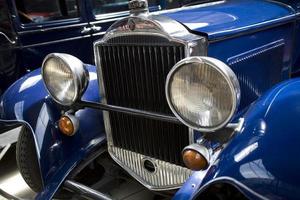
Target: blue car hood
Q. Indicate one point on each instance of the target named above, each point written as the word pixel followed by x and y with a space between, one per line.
pixel 224 18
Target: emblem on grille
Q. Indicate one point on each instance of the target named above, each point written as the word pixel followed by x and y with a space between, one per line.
pixel 131 24
pixel 149 165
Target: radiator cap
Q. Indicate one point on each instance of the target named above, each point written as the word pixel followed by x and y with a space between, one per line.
pixel 138 6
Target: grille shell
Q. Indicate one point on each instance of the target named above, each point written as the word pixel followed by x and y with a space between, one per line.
pixel 134 74
pixel 138 81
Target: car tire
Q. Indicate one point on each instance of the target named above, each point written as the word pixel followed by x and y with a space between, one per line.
pixel 28 165
pixel 27 160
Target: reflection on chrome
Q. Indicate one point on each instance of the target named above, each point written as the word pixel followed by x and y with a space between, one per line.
pixel 93 76
pixel 255 169
pixel 245 152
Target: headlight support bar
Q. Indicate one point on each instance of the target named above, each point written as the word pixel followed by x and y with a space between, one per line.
pixel 141 113
pixel 131 111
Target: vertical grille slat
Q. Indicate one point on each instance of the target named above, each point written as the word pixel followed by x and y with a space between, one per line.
pixel 134 76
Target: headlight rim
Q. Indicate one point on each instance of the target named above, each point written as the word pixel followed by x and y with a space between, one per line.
pixel 80 77
pixel 225 71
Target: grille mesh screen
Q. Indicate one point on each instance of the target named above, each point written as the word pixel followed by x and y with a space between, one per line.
pixel 134 76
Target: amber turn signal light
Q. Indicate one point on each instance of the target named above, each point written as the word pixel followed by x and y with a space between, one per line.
pixel 195 157
pixel 68 124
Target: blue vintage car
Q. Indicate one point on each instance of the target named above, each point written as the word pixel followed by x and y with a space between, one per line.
pixel 196 101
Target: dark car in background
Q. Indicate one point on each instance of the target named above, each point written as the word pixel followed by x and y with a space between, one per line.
pixel 31 29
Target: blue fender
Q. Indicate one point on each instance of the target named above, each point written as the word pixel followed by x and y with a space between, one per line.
pixel 28 102
pixel 262 159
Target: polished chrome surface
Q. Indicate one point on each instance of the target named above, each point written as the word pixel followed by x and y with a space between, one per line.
pixel 201 149
pixel 170 176
pixel 85 191
pixel 237 127
pixel 138 7
pixel 74 120
pixel 7 38
pixel 79 74
pixel 135 112
pixel 166 176
pixel 228 74
pixel 157 25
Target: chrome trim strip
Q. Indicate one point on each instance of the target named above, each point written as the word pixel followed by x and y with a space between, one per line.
pixel 85 191
pixel 7 38
pixel 41 28
pixel 56 41
pixel 109 20
pixel 99 34
pixel 110 16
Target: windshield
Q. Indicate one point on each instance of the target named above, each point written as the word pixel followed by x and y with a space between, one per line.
pixel 113 6
pixel 169 4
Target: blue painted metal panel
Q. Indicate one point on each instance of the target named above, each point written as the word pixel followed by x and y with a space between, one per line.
pixel 233 17
pixel 261 160
pixel 296 52
pixel 27 101
pixel 260 59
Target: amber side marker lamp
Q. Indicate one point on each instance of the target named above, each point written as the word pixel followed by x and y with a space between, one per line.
pixel 195 157
pixel 68 124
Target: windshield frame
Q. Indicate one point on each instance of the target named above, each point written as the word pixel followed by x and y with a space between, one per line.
pixel 160 8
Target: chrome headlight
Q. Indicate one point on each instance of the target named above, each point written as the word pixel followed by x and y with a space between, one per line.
pixel 203 93
pixel 65 77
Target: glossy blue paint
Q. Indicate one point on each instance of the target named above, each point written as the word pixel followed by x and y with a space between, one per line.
pixel 296 53
pixel 227 18
pixel 259 61
pixel 28 102
pixel 255 73
pixel 261 159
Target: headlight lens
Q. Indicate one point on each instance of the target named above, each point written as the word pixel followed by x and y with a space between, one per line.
pixel 203 93
pixel 65 77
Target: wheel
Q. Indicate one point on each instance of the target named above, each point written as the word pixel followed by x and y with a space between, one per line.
pixel 27 163
pixel 27 160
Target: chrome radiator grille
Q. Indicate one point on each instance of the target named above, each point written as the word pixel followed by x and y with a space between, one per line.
pixel 134 70
pixel 166 174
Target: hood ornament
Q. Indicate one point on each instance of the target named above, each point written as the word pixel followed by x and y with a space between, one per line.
pixel 137 7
